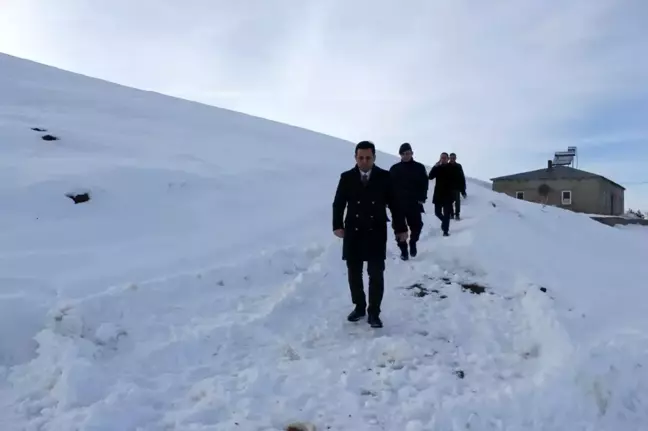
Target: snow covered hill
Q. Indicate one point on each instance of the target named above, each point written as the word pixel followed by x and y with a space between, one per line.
pixel 201 288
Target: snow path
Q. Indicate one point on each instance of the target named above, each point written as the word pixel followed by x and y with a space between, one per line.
pixel 256 345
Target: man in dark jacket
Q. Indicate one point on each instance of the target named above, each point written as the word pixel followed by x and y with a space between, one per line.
pixel 366 191
pixel 411 185
pixel 444 189
pixel 461 181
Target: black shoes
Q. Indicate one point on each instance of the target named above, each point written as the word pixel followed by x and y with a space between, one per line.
pixel 405 254
pixel 374 321
pixel 358 313
pixel 412 249
pixel 403 248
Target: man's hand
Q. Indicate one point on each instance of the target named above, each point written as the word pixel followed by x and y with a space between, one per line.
pixel 339 233
pixel 402 237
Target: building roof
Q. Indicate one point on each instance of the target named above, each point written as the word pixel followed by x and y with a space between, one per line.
pixel 555 173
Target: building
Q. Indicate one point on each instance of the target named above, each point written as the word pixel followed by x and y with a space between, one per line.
pixel 565 187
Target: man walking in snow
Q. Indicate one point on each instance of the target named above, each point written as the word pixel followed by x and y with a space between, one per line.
pixel 366 191
pixel 461 181
pixel 411 185
pixel 444 190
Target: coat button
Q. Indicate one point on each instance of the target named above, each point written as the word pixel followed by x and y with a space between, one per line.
pixel 356 228
pixel 358 201
pixel 373 202
pixel 357 215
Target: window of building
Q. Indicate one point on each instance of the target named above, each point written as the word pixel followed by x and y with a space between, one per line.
pixel 519 195
pixel 566 197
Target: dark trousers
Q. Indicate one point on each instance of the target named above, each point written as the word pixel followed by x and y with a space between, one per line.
pixel 414 221
pixel 376 270
pixel 443 211
pixel 457 204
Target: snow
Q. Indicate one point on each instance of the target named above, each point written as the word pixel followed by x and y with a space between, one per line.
pixel 634 229
pixel 201 287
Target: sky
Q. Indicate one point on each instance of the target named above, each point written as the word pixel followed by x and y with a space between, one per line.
pixel 502 83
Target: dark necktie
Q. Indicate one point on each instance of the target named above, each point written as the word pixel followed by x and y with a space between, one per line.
pixel 365 179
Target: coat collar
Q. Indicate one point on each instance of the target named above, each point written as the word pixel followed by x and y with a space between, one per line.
pixel 373 169
pixel 372 173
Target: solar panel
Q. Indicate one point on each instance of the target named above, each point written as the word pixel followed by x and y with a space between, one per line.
pixel 565 158
pixel 562 160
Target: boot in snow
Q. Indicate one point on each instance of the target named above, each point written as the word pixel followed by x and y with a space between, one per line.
pixel 357 314
pixel 403 248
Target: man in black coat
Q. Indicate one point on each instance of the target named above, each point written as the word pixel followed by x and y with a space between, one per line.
pixel 365 192
pixel 461 182
pixel 444 190
pixel 411 185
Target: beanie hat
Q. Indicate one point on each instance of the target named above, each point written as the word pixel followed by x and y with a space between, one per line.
pixel 405 147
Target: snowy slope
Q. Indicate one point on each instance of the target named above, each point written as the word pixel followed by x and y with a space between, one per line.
pixel 201 288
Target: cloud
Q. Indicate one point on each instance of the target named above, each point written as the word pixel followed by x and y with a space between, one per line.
pixel 502 83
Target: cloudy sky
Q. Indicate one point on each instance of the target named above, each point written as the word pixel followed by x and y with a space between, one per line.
pixel 502 83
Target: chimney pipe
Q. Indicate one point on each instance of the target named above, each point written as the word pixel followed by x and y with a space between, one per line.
pixel 549 164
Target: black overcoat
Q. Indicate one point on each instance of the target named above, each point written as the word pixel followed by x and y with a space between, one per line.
pixel 365 223
pixel 447 183
pixel 461 177
pixel 411 182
